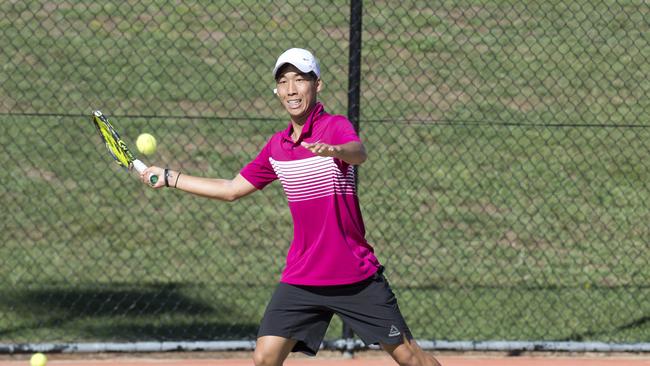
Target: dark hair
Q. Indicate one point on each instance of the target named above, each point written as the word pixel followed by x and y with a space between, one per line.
pixel 311 74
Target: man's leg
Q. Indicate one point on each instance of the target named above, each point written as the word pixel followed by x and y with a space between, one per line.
pixel 409 353
pixel 272 350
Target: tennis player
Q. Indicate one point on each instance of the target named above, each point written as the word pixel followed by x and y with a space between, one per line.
pixel 330 268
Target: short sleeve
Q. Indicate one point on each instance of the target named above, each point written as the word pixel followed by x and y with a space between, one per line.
pixel 344 131
pixel 259 172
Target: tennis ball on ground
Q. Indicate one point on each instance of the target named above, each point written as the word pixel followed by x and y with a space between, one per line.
pixel 38 359
pixel 146 144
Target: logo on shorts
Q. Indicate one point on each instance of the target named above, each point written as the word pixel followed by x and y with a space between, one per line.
pixel 394 332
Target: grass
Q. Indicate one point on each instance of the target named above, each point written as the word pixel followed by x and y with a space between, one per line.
pixel 505 191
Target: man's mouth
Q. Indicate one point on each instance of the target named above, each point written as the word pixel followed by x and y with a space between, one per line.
pixel 293 103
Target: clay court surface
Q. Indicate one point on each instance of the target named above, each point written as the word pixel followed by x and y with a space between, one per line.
pixel 333 358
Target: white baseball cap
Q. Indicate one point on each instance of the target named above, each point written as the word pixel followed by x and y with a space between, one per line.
pixel 300 58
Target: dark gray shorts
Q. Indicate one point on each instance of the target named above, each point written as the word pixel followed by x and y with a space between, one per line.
pixel 303 313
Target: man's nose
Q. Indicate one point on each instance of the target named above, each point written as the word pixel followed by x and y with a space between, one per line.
pixel 291 88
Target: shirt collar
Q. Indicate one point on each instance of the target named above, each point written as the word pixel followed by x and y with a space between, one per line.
pixel 306 129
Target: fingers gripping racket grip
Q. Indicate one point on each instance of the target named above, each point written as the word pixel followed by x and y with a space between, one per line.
pixel 140 167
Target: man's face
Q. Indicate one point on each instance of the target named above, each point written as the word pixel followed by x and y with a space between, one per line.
pixel 297 92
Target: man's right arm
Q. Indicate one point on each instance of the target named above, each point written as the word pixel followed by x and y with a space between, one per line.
pixel 221 189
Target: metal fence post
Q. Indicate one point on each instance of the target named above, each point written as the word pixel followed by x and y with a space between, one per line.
pixel 354 87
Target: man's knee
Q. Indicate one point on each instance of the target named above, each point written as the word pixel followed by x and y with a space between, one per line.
pixel 409 353
pixel 407 359
pixel 272 350
pixel 416 358
pixel 261 358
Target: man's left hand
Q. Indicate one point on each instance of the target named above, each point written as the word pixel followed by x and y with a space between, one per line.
pixel 321 149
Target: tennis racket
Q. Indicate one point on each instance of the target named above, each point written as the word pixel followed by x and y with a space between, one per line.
pixel 116 147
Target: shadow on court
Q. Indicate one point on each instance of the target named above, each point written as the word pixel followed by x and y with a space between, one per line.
pixel 120 312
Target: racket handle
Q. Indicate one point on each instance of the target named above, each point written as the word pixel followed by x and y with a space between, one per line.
pixel 140 167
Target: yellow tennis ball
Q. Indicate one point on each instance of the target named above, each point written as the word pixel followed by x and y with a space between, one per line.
pixel 38 359
pixel 146 144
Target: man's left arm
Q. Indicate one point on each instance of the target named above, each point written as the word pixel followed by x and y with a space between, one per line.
pixel 353 153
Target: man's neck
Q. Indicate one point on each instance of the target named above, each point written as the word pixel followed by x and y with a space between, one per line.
pixel 299 122
pixel 297 130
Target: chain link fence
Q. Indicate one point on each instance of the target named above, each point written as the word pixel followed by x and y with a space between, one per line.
pixel 505 191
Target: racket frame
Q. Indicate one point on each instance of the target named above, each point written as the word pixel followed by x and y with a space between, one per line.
pixel 116 146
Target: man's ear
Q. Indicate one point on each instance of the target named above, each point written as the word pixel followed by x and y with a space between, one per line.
pixel 319 85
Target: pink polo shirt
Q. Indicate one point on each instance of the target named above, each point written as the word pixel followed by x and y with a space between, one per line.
pixel 329 245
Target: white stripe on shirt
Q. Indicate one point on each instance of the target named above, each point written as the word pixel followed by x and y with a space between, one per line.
pixel 312 178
